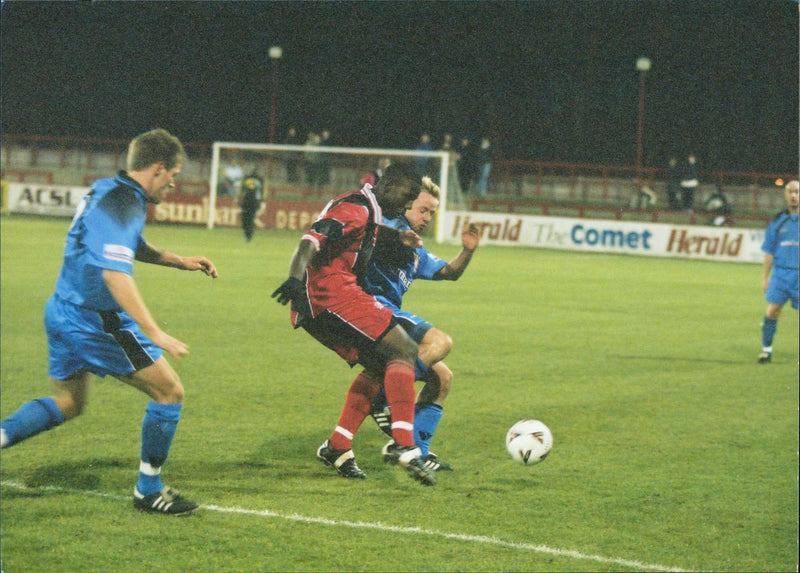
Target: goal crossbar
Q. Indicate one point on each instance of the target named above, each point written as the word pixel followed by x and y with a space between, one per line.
pixel 443 157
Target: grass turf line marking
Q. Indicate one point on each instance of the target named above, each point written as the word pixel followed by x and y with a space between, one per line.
pixel 544 549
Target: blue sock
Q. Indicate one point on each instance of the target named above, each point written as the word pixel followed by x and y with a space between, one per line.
pixel 158 429
pixel 768 332
pixel 30 419
pixel 426 418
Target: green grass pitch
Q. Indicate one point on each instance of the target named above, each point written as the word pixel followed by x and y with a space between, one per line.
pixel 674 449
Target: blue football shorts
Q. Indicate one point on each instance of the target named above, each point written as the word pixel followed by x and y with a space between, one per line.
pixel 415 326
pixel 783 286
pixel 102 342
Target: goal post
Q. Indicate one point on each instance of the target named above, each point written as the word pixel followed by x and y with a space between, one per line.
pixel 303 178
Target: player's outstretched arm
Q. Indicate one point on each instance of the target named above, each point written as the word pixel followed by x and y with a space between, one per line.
pixel 149 254
pixel 199 263
pixel 470 238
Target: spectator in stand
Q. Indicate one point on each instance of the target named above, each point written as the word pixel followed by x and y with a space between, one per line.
pixel 292 157
pixel 423 162
pixel 467 164
pixel 447 146
pixel 673 179
pixel 447 143
pixel 780 276
pixel 644 197
pixel 484 166
pixel 689 183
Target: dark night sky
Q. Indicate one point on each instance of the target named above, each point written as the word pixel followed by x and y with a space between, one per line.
pixel 547 80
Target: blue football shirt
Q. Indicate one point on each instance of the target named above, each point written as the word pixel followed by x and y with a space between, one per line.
pixel 391 270
pixel 105 234
pixel 781 241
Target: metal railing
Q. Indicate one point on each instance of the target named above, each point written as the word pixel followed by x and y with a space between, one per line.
pixel 515 185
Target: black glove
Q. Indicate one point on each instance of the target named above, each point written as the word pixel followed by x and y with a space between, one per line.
pixel 291 289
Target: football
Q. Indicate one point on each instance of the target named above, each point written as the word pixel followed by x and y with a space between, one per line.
pixel 529 442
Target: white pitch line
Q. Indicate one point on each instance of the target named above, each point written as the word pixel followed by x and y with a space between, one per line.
pixel 388 528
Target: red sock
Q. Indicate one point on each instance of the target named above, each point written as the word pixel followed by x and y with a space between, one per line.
pixel 356 407
pixel 399 385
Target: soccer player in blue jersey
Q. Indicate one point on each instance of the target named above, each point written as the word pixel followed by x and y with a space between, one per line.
pixel 97 322
pixel 780 278
pixel 389 275
pixel 325 287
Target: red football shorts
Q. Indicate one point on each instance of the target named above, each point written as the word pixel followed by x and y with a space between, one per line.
pixel 350 324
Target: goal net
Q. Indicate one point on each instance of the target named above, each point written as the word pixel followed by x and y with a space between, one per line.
pixel 298 180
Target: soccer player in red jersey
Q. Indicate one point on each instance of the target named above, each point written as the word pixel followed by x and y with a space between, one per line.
pixel 325 287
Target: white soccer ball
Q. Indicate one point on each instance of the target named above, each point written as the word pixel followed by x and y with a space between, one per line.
pixel 529 442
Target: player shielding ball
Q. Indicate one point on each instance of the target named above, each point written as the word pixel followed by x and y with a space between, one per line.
pixel 325 287
pixel 780 271
pixel 97 322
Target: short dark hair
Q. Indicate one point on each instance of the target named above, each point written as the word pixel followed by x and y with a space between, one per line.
pixel 399 173
pixel 157 145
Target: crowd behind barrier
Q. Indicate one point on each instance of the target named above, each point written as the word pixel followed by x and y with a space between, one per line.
pixel 515 186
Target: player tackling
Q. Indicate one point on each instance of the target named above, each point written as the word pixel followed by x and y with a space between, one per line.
pixel 389 277
pixel 325 281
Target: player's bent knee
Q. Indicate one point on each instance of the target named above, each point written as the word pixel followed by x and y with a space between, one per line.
pixel 175 394
pixel 170 390
pixel 71 396
pixel 70 407
pixel 774 311
pixel 159 381
pixel 438 342
pixel 445 377
pixel 447 342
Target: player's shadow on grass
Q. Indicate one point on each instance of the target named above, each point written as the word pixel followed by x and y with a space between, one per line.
pixel 295 456
pixel 78 475
pixel 680 359
pixel 289 457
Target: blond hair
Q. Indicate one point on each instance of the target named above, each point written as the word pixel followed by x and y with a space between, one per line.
pixel 156 146
pixel 428 186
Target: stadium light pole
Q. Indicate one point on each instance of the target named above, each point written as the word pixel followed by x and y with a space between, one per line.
pixel 643 65
pixel 275 53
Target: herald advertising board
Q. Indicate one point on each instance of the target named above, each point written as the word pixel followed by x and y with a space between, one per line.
pixel 593 235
